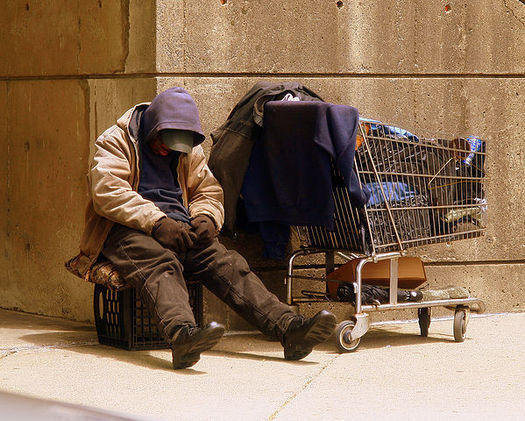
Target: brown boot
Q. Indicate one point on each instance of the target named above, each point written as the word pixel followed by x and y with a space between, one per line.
pixel 191 341
pixel 303 334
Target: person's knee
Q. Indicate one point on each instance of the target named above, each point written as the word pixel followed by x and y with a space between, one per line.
pixel 234 262
pixel 166 261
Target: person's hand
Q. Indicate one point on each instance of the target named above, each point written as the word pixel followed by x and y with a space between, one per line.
pixel 204 229
pixel 174 235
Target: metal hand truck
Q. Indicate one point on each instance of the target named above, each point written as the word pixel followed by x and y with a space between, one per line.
pixel 423 191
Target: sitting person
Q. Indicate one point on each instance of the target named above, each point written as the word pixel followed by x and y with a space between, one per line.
pixel 155 212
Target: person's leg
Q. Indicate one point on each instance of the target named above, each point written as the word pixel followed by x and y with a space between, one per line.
pixel 227 274
pixel 155 272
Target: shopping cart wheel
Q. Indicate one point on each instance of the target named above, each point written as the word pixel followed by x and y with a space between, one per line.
pixel 343 337
pixel 460 323
pixel 423 314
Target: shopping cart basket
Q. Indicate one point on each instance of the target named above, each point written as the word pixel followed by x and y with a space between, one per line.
pixel 422 191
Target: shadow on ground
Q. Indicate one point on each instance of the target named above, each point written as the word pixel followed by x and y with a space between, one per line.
pixel 81 338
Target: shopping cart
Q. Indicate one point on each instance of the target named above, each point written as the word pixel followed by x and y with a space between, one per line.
pixel 423 191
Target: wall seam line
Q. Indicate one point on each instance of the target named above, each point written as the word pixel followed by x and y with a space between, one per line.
pixel 272 76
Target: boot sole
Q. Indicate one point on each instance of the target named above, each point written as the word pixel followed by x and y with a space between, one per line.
pixel 189 354
pixel 319 332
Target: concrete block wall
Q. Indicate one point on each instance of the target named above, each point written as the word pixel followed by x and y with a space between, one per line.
pixel 68 69
pixel 439 68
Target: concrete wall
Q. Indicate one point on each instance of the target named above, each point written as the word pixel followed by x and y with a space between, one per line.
pixel 67 70
pixel 436 68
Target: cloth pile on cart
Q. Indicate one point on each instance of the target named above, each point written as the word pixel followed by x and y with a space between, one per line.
pixel 233 141
pixel 288 179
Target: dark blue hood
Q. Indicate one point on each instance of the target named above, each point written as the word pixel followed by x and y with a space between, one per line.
pixel 171 109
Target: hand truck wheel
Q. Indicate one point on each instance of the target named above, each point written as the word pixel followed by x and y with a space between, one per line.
pixel 343 337
pixel 460 323
pixel 423 314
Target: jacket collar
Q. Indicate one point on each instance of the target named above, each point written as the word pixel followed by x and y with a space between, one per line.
pixel 125 120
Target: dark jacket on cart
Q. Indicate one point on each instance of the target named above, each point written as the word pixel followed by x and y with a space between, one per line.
pixel 234 140
pixel 289 180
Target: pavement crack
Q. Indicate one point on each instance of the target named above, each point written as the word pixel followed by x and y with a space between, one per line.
pixel 6 353
pixel 303 388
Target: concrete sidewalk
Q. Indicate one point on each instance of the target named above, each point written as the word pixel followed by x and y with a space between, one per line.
pixel 395 374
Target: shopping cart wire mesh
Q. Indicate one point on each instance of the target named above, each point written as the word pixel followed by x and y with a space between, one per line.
pixel 422 191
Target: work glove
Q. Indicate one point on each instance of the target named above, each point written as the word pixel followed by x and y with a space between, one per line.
pixel 174 235
pixel 204 229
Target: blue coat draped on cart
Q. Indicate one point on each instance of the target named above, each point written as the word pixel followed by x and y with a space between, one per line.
pixel 289 178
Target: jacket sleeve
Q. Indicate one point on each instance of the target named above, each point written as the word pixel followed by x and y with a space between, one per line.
pixel 109 183
pixel 205 195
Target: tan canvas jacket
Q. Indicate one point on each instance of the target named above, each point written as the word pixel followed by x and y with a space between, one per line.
pixel 113 181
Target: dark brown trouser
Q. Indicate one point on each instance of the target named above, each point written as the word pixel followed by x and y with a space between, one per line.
pixel 158 274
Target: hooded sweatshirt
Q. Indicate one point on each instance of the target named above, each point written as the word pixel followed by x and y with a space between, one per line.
pixel 172 109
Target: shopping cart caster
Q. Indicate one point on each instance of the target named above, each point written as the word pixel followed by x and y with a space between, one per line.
pixel 461 317
pixel 423 314
pixel 343 335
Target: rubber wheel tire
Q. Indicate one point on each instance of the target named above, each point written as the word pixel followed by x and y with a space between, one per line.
pixel 460 325
pixel 344 342
pixel 423 315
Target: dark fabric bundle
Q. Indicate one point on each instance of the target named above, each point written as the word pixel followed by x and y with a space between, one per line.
pixel 371 294
pixel 234 140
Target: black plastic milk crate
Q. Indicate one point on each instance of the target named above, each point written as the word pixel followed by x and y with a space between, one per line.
pixel 123 321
